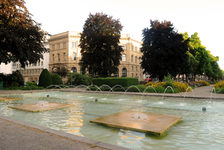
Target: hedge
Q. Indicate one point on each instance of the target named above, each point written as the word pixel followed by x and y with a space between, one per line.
pixel 112 81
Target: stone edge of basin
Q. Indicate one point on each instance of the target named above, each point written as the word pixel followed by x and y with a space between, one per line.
pixel 66 135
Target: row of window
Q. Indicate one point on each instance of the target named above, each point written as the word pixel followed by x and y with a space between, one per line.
pixel 58 56
pixel 58 46
pixel 39 63
pixel 132 58
pixel 30 71
pixel 62 45
pixel 133 48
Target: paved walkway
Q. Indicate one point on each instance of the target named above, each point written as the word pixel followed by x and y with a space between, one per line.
pixel 16 135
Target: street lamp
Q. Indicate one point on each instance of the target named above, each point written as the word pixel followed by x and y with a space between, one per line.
pixel 71 76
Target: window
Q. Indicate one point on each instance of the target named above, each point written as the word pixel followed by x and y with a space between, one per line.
pixel 58 46
pixel 64 55
pixel 135 59
pixel 74 69
pixel 132 58
pixel 123 57
pixel 53 57
pixel 124 72
pixel 58 57
pixel 136 48
pixel 73 44
pixel 64 44
pixel 42 63
pixel 53 47
pixel 132 68
pixel 74 55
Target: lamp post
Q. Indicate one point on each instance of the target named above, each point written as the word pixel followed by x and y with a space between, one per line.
pixel 71 76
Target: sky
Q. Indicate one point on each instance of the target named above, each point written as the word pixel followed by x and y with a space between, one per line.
pixel 206 17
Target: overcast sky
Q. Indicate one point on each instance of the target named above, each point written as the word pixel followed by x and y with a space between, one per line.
pixel 203 16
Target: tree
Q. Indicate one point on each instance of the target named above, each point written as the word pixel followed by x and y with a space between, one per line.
pixel 99 44
pixel 20 36
pixel 56 79
pixel 164 50
pixel 45 78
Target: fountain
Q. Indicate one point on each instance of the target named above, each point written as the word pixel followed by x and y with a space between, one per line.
pixel 146 122
pixel 40 106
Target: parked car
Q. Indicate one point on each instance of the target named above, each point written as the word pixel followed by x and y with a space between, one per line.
pixel 148 80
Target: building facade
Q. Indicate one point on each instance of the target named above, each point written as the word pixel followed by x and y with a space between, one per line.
pixel 65 53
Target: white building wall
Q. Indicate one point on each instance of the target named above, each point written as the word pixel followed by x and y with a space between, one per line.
pixel 6 68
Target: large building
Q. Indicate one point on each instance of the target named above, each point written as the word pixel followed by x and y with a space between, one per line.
pixel 65 53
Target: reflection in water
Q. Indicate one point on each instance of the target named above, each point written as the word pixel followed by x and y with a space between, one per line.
pixel 129 137
pixel 75 119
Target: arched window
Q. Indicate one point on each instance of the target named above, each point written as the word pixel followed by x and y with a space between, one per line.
pixel 124 72
pixel 74 69
pixel 132 57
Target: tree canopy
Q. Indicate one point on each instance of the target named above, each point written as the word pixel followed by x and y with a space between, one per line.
pixel 164 50
pixel 99 42
pixel 20 36
pixel 201 61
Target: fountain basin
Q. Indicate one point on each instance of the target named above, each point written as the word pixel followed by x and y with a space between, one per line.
pixel 147 122
pixel 2 99
pixel 39 107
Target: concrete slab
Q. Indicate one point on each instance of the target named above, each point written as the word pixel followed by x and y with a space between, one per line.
pixel 147 122
pixel 39 107
pixel 3 99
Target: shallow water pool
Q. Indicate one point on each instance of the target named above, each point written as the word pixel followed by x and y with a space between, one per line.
pixel 197 130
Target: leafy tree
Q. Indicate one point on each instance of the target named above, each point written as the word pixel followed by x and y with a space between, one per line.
pixel 164 50
pixel 200 60
pixel 99 44
pixel 45 78
pixel 56 79
pixel 20 36
pixel 78 79
pixel 61 70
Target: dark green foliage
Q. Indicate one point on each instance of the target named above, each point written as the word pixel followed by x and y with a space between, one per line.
pixel 164 50
pixel 62 71
pixel 99 42
pixel 14 79
pixel 78 79
pixel 31 87
pixel 31 84
pixel 219 90
pixel 56 79
pixel 21 38
pixel 45 78
pixel 112 81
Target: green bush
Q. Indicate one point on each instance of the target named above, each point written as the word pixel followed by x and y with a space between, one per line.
pixel 219 90
pixel 14 79
pixel 32 87
pixel 112 81
pixel 31 84
pixel 45 78
pixel 219 87
pixel 78 79
pixel 56 79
